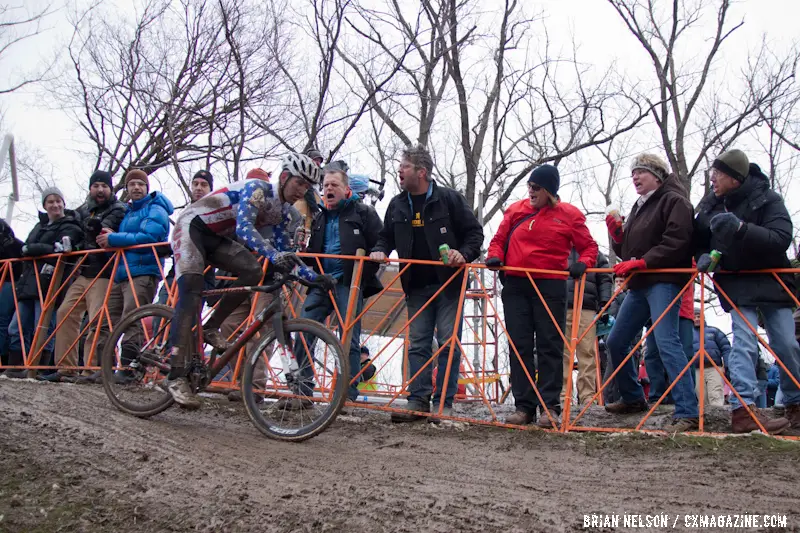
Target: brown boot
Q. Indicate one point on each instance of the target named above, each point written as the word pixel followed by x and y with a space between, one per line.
pixel 793 415
pixel 622 408
pixel 520 418
pixel 742 422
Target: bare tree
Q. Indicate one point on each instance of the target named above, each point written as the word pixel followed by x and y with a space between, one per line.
pixel 18 23
pixel 687 101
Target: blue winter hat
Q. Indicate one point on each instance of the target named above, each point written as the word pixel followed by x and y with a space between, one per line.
pixel 359 183
pixel 546 177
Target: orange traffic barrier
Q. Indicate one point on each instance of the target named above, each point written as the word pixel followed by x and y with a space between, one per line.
pixel 485 345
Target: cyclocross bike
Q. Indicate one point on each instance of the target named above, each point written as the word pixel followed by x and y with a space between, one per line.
pixel 271 377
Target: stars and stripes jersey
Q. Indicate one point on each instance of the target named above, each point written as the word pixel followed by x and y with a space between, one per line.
pixel 241 207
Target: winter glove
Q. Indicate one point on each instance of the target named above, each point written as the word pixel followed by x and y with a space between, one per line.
pixel 285 261
pixel 726 226
pixel 577 269
pixel 493 263
pixel 626 267
pixel 326 282
pixel 704 264
pixel 614 228
pixel 24 249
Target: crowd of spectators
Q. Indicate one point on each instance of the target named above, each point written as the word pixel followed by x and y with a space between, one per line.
pixel 740 225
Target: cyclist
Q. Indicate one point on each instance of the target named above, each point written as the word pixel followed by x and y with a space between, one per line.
pixel 203 235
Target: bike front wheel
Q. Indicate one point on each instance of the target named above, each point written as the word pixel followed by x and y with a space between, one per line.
pixel 284 407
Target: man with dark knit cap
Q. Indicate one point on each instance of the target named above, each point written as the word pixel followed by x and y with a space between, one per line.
pixel 747 222
pixel 202 184
pixel 101 210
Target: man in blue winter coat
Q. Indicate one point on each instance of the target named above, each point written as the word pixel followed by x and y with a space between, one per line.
pixel 719 349
pixel 147 221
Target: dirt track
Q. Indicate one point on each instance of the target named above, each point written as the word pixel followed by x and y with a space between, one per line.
pixel 70 462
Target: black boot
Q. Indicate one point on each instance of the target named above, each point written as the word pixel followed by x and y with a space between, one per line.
pixel 15 359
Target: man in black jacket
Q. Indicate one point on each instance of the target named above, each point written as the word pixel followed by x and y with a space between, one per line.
pixel 749 225
pixel 595 296
pixel 88 292
pixel 418 221
pixel 46 238
pixel 10 248
pixel 342 226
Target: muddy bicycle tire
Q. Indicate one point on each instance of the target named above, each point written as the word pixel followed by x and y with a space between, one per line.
pixel 339 391
pixel 109 359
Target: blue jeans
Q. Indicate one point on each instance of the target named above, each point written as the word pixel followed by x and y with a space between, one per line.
pixel 318 307
pixel 6 312
pixel 779 324
pixel 655 368
pixel 636 310
pixel 28 313
pixel 439 316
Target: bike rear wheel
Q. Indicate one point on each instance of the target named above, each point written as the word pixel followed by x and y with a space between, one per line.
pixel 279 407
pixel 134 379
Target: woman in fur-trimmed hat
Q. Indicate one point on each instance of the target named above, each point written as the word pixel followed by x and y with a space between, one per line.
pixel 656 235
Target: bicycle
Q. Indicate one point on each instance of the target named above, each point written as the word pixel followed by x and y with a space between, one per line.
pixel 271 392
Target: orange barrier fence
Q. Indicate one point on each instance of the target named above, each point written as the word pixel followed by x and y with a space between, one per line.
pixel 486 348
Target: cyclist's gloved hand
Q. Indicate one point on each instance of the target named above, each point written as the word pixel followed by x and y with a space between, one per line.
pixel 285 261
pixel 326 282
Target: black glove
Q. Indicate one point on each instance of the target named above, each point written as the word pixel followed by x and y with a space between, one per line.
pixel 285 261
pixel 93 227
pixel 704 264
pixel 326 282
pixel 493 263
pixel 577 269
pixel 726 226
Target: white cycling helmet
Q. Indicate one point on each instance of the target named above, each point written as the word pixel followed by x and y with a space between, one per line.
pixel 302 166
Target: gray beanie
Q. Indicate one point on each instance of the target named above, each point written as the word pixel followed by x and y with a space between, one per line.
pixel 734 163
pixel 52 190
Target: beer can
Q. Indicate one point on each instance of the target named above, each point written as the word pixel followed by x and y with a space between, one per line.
pixel 443 249
pixel 715 255
pixel 66 244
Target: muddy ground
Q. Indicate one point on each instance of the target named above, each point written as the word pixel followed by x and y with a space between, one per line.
pixel 70 462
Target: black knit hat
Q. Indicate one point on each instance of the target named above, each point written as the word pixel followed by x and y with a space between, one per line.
pixel 546 177
pixel 102 176
pixel 734 163
pixel 205 175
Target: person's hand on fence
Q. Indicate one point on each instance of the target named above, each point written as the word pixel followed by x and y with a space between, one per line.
pixel 378 256
pixel 494 263
pixel 705 264
pixel 454 258
pixel 626 267
pixel 577 269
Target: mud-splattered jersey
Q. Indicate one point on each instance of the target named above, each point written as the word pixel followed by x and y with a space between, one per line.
pixel 240 208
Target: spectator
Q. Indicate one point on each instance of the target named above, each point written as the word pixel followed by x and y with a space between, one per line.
pixel 258 174
pixel 146 222
pixel 315 155
pixel 773 382
pixel 10 248
pixel 539 233
pixel 656 235
pixel 718 348
pixel 101 210
pixel 367 381
pixel 595 296
pixel 656 373
pixel 308 206
pixel 342 226
pixel 749 225
pixel 422 217
pixel 45 238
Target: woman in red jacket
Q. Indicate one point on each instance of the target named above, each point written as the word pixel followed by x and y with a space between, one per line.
pixel 539 233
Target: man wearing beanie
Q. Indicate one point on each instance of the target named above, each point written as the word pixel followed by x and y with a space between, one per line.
pixel 656 235
pixel 87 295
pixel 539 233
pixel 46 238
pixel 147 221
pixel 202 184
pixel 418 221
pixel 747 222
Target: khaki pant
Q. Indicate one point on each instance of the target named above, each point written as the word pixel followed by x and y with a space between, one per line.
pixel 713 386
pixel 70 321
pixel 239 317
pixel 587 366
pixel 121 302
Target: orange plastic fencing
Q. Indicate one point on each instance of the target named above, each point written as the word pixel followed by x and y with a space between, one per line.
pixel 484 390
